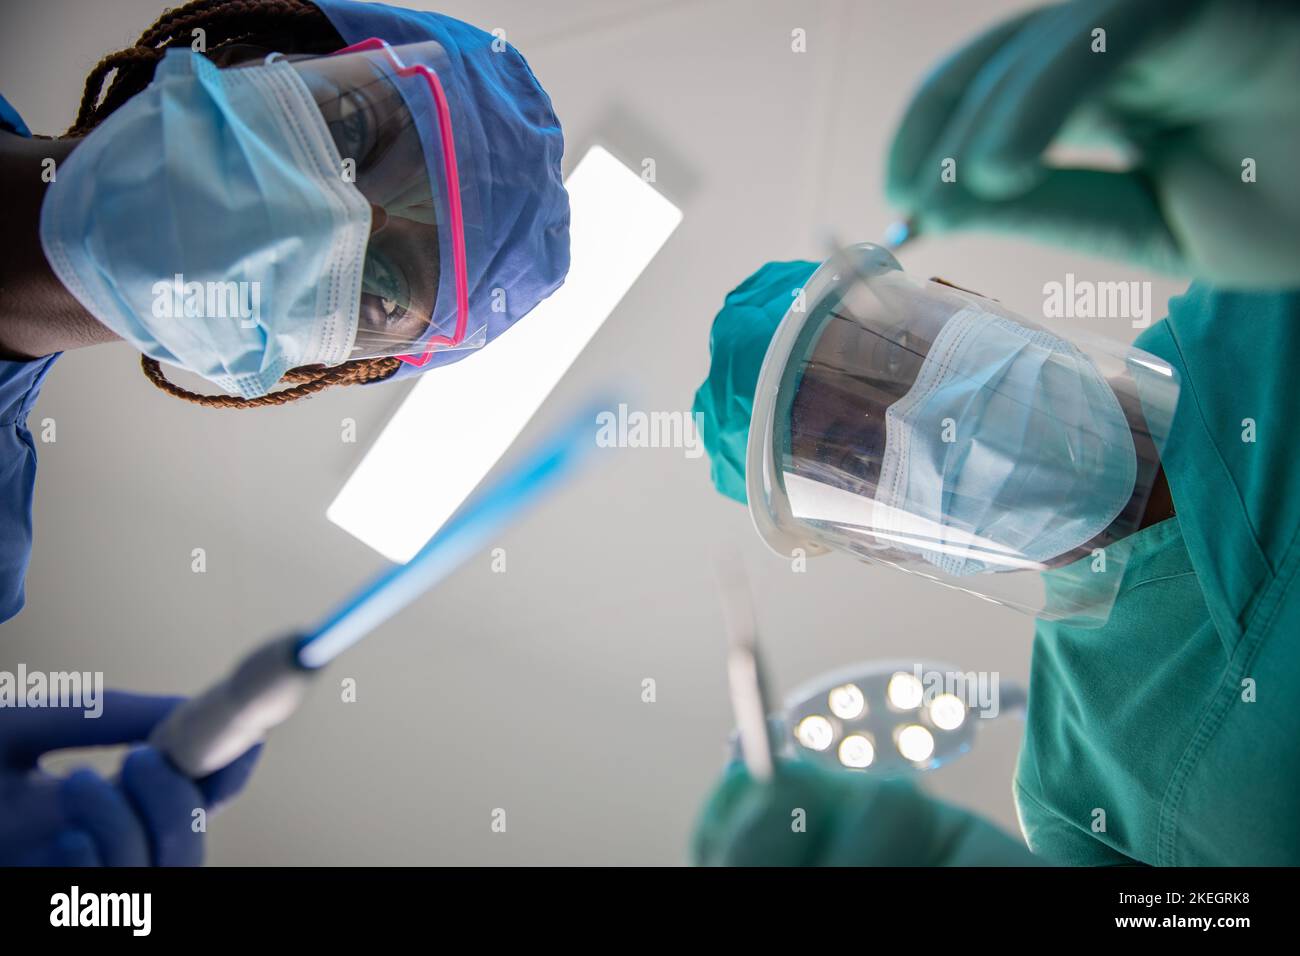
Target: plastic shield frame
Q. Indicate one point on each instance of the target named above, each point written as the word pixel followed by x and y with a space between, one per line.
pixel 850 347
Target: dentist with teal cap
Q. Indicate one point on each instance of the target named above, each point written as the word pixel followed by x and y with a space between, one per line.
pixel 1176 715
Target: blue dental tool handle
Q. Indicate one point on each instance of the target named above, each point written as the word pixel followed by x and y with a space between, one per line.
pixel 211 730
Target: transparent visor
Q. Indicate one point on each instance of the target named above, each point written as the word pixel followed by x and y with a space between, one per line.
pixel 392 120
pixel 924 428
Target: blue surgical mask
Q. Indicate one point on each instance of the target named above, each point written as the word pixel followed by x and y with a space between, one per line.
pixel 207 222
pixel 1009 450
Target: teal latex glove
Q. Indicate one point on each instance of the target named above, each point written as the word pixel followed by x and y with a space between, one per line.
pixel 848 820
pixel 1188 88
pixel 741 334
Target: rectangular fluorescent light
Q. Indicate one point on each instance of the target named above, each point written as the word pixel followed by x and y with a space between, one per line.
pixel 460 419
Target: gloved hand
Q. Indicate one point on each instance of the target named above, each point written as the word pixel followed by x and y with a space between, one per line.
pixel 742 331
pixel 1190 88
pixel 142 818
pixel 847 820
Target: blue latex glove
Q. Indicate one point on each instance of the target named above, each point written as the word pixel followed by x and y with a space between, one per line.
pixel 1187 88
pixel 142 818
pixel 741 334
pixel 847 820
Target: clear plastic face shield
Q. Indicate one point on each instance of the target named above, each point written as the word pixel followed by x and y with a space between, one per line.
pixel 923 428
pixel 393 124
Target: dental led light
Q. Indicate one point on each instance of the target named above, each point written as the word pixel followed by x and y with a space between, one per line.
pixel 890 717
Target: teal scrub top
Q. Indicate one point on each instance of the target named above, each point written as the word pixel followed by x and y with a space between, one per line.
pixel 20 384
pixel 1168 736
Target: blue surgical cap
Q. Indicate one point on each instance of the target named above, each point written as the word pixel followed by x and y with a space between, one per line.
pixel 517 143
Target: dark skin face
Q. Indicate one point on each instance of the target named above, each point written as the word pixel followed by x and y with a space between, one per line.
pixel 38 316
pixel 838 413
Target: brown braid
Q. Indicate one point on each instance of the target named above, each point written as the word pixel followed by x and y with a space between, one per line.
pixel 309 380
pixel 290 26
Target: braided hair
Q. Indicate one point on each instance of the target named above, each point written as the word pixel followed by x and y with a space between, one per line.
pixel 290 26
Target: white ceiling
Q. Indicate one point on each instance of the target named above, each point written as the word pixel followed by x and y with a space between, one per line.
pixel 521 690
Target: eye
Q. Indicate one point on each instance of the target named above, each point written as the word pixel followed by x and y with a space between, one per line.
pixel 352 128
pixel 378 277
pixel 386 282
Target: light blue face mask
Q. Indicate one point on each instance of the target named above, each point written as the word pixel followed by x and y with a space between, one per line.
pixel 206 221
pixel 1010 449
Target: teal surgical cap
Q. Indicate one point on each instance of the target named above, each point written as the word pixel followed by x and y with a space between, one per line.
pixel 737 344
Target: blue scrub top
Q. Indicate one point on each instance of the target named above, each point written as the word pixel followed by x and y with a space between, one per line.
pixel 20 384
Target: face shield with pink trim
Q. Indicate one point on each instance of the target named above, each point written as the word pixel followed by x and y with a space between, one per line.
pixel 391 120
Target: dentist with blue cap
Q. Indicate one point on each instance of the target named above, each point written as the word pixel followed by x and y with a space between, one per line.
pixel 325 194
